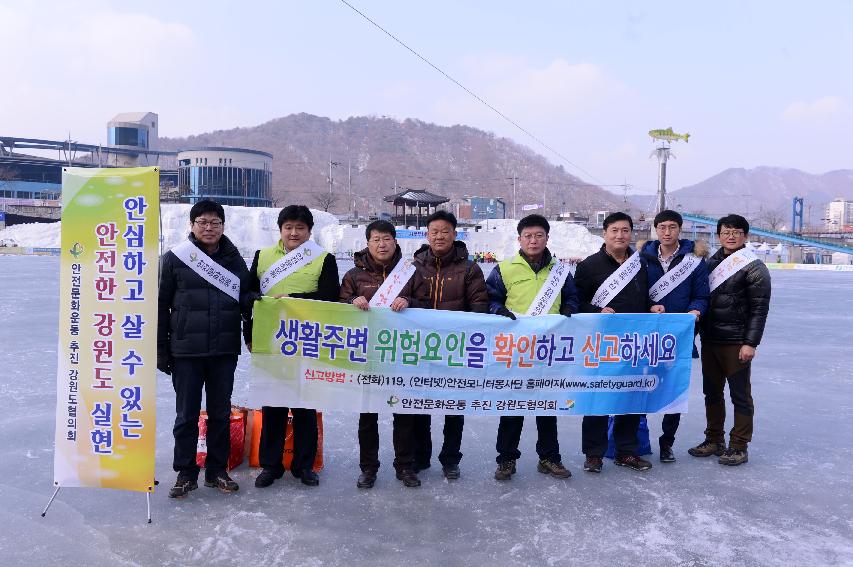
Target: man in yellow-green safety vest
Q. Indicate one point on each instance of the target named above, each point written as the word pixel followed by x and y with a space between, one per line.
pixel 295 267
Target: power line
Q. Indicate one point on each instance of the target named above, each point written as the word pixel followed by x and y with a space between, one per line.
pixel 470 92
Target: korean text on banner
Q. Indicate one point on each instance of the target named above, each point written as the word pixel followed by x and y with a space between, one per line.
pixel 333 356
pixel 105 410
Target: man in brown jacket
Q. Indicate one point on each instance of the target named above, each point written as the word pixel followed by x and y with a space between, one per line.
pixel 372 266
pixel 446 279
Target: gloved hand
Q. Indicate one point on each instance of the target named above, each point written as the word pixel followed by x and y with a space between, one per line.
pixel 505 312
pixel 164 363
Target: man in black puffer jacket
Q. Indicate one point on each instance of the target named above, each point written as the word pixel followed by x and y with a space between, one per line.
pixel 731 331
pixel 198 342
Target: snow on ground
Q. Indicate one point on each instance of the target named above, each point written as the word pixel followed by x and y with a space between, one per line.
pixel 792 504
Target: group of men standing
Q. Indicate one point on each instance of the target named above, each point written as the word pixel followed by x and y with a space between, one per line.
pixel 198 340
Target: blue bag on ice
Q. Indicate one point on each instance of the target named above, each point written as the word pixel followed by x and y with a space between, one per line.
pixel 644 447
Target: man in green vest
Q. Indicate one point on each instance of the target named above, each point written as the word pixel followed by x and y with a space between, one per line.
pixel 513 285
pixel 317 279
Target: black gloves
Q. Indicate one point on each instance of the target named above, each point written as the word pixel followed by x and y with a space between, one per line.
pixel 505 312
pixel 164 363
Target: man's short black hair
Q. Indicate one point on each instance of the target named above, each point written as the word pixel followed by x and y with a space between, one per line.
pixel 733 221
pixel 441 215
pixel 534 220
pixel 380 226
pixel 668 215
pixel 298 213
pixel 207 206
pixel 616 217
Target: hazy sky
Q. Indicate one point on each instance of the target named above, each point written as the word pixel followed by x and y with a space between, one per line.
pixel 754 83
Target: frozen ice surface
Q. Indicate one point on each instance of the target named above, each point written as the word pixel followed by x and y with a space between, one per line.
pixel 792 504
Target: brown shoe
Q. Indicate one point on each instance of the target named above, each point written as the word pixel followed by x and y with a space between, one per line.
pixel 707 448
pixel 505 470
pixel 632 462
pixel 593 464
pixel 555 469
pixel 734 457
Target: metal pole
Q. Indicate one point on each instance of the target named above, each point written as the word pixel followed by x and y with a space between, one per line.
pixel 349 185
pixel 55 492
pixel 514 215
pixel 663 154
pixel 148 502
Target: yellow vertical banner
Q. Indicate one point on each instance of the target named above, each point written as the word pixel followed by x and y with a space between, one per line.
pixel 106 373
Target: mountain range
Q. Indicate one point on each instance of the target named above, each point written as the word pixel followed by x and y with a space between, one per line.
pixel 374 156
pixel 378 156
pixel 761 193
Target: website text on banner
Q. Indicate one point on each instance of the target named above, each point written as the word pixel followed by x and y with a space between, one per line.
pixel 105 411
pixel 332 356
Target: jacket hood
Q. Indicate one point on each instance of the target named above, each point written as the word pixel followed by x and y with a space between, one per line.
pixel 365 261
pixel 459 253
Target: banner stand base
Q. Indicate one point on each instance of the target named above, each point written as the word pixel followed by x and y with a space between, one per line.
pixel 55 492
pixel 49 502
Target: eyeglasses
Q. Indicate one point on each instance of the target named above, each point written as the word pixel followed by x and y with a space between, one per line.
pixel 731 233
pixel 211 224
pixel 534 236
pixel 386 240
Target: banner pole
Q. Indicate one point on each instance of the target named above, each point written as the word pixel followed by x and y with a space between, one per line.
pixel 148 502
pixel 55 492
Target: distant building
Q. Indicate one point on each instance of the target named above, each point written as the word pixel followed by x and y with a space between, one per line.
pixel 31 184
pixel 839 215
pixel 231 176
pixel 480 208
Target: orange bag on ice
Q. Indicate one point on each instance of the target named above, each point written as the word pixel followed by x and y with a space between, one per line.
pixel 255 421
pixel 238 435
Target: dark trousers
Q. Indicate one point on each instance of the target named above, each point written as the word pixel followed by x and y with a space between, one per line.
pixel 368 441
pixel 451 447
pixel 669 426
pixel 509 435
pixel 271 449
pixel 720 364
pixel 189 375
pixel 405 425
pixel 594 434
pixel 422 440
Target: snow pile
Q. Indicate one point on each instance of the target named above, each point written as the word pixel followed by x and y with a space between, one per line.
pixel 500 237
pixel 253 228
pixel 32 235
pixel 249 228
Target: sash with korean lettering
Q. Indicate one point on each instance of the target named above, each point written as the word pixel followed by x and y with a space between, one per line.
pixel 730 266
pixel 673 278
pixel 617 281
pixel 550 290
pixel 290 263
pixel 393 284
pixel 202 264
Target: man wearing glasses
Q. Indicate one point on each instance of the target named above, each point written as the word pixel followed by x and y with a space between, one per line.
pixel 198 342
pixel 513 286
pixel 730 332
pixel 373 267
pixel 452 282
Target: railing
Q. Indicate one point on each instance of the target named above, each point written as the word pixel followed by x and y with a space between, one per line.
pixel 784 236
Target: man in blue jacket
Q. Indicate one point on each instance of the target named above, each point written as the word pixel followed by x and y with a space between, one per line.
pixel 683 261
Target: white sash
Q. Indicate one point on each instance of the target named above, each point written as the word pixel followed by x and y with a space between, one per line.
pixel 617 281
pixel 393 284
pixel 550 290
pixel 290 263
pixel 211 271
pixel 731 265
pixel 673 278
